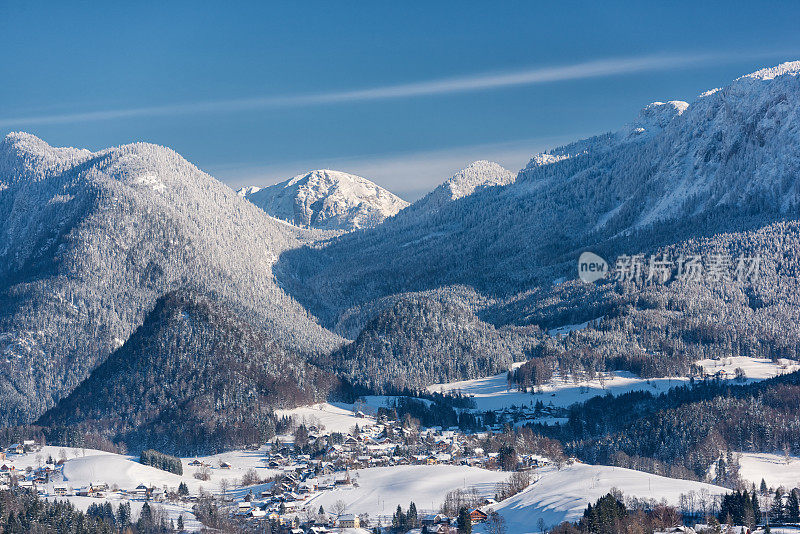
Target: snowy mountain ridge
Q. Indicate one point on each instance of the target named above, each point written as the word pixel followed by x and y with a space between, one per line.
pixel 89 242
pixel 728 155
pixel 477 175
pixel 326 199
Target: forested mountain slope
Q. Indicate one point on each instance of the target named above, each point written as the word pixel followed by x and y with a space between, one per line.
pixel 431 337
pixel 90 241
pixel 453 287
pixel 730 160
pixel 193 378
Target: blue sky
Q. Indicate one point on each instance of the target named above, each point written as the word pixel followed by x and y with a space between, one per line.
pixel 403 93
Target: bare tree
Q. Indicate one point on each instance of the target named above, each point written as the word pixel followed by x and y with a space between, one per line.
pixel 204 473
pixel 495 524
pixel 250 477
pixel 339 508
pixel 309 514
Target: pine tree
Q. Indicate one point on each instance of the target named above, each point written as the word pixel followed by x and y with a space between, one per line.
pixel 603 517
pixel 13 524
pixel 145 518
pixel 793 507
pixel 764 489
pixel 180 523
pixel 464 521
pixel 756 507
pixel 412 519
pixel 776 512
pixel 124 515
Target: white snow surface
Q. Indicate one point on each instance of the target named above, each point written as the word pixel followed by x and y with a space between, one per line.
pixel 776 469
pixel 562 495
pixel 326 199
pixel 381 489
pixel 791 68
pixel 114 469
pixel 493 392
pixel 327 417
pixel 754 368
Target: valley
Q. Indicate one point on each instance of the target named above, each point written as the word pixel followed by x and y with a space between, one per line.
pixel 321 355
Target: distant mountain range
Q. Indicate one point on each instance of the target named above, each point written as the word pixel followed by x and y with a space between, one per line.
pixel 328 200
pixel 131 257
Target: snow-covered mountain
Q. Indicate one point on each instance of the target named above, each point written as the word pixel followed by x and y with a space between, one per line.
pixel 478 175
pixel 325 199
pixel 90 240
pixel 728 160
pixel 211 365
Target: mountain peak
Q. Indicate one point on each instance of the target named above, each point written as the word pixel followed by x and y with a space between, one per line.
pixel 21 152
pixel 791 68
pixel 326 199
pixel 477 175
pixel 652 119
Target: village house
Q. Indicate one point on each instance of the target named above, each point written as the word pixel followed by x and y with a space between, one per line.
pixel 349 521
pixel 244 506
pixel 140 491
pixel 478 516
pixel 256 513
pixel 434 519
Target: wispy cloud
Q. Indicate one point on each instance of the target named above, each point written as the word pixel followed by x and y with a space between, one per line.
pixel 409 175
pixel 477 82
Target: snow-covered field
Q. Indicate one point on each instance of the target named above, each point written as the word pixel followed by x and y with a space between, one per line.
pixel 327 417
pixel 493 393
pixel 87 466
pixel 240 463
pixel 563 495
pixel 381 489
pixel 566 329
pixel 773 468
pixel 754 368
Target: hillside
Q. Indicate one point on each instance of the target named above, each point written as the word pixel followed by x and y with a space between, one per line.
pixel 328 200
pixel 426 338
pixel 192 379
pixel 90 241
pixel 562 495
pixel 445 290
